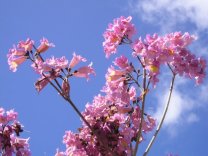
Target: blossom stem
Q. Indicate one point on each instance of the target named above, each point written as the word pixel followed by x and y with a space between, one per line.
pixel 135 81
pixel 140 61
pixel 163 117
pixel 142 113
pixel 58 84
pixel 80 114
pixel 71 103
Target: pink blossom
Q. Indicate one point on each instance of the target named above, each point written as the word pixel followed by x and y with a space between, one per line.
pixel 121 62
pixel 84 71
pixel 57 63
pixel 45 79
pixel 16 52
pixel 132 93
pixel 75 60
pixel 172 49
pixel 178 39
pixel 116 32
pixel 14 62
pixel 11 115
pixel 115 75
pixel 16 57
pixel 26 45
pixel 41 83
pixel 139 48
pixel 50 64
pixel 44 45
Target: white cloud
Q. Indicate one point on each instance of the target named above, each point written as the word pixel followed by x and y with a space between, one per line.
pixel 171 12
pixel 179 105
pixel 192 118
pixel 203 94
pixel 185 102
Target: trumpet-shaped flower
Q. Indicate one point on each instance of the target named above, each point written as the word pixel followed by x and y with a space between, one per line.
pixel 14 62
pixel 26 45
pixel 50 64
pixel 76 59
pixel 16 56
pixel 44 45
pixel 84 71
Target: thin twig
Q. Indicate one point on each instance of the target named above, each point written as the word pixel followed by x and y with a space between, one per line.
pixel 80 115
pixel 163 116
pixel 58 84
pixel 135 81
pixel 140 61
pixel 142 113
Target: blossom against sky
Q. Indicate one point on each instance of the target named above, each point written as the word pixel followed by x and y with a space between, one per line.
pixel 78 26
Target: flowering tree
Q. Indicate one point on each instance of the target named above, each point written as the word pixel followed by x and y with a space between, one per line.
pixel 115 123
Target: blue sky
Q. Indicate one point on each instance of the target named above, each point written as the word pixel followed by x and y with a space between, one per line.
pixel 78 26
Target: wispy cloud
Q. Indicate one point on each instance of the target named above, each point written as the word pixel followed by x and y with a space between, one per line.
pixel 183 105
pixel 168 13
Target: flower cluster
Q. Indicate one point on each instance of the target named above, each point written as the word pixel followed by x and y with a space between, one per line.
pixel 122 29
pixel 10 129
pixel 20 53
pixel 170 49
pixel 115 118
pixel 49 69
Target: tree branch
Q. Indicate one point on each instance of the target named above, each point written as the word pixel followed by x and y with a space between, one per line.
pixel 163 117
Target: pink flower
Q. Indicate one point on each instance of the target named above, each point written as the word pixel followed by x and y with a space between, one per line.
pixel 44 45
pixel 115 75
pixel 16 52
pixel 139 48
pixel 121 29
pixel 45 79
pixel 84 71
pixel 76 59
pixel 121 62
pixel 11 115
pixel 16 57
pixel 26 45
pixel 39 66
pixel 57 63
pixel 41 83
pixel 14 62
pixel 132 93
pixel 178 39
pixel 50 64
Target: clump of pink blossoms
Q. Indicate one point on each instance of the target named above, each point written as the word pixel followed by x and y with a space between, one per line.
pixel 118 116
pixel 54 71
pixel 120 31
pixel 49 69
pixel 172 50
pixel 115 123
pixel 10 140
